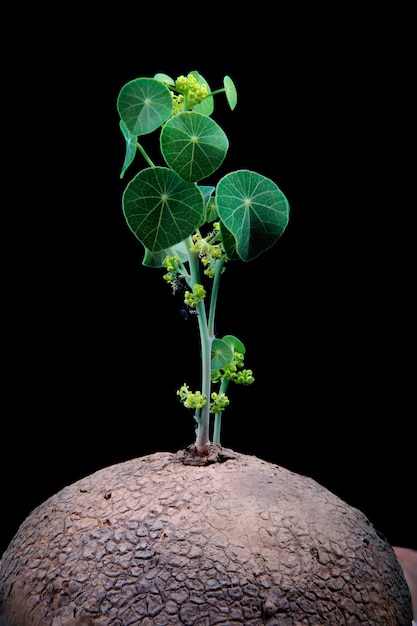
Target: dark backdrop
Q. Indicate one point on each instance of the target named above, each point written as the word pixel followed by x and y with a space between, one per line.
pixel 94 344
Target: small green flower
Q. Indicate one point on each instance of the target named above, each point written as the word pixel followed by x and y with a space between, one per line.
pixel 178 101
pixel 182 84
pixel 219 402
pixel 193 298
pixel 197 94
pixel 191 91
pixel 170 277
pixel 216 375
pixel 191 400
pixel 229 372
pixel 171 263
pixel 244 377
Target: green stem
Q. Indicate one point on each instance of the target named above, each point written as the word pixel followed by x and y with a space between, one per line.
pixel 144 154
pixel 218 417
pixel 213 93
pixel 214 294
pixel 203 419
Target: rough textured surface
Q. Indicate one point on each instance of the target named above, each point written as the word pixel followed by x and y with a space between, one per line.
pixel 154 541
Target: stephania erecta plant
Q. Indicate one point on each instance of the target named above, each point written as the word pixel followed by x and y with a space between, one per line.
pixel 190 229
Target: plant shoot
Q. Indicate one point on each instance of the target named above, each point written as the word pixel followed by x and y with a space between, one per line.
pixel 191 229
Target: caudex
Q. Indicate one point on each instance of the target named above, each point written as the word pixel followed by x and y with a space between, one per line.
pixel 194 229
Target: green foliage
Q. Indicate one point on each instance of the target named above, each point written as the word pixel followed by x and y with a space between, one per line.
pixel 143 105
pixel 221 354
pixel 253 209
pixel 192 227
pixel 161 208
pixel 193 145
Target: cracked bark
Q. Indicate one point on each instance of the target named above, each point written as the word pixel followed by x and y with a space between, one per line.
pixel 159 540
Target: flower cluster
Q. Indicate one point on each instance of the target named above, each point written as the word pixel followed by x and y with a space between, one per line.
pixel 194 297
pixel 175 272
pixel 178 102
pixel 220 402
pixel 196 400
pixel 191 90
pixel 191 400
pixel 209 249
pixel 244 377
pixel 172 265
pixel 234 372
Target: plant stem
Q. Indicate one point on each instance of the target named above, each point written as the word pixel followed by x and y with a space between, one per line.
pixel 212 313
pixel 218 416
pixel 203 419
pixel 144 154
pixel 214 294
pixel 217 428
pixel 206 330
pixel 213 93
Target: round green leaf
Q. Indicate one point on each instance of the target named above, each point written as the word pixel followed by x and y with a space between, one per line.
pixel 161 208
pixel 164 78
pixel 235 343
pixel 144 104
pixel 193 144
pixel 221 354
pixel 253 209
pixel 231 93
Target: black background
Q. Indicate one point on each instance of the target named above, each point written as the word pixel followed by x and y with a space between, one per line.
pixel 94 345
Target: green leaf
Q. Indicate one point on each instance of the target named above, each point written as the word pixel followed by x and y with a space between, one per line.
pixel 211 208
pixel 155 259
pixel 212 214
pixel 131 141
pixel 161 209
pixel 164 78
pixel 207 191
pixel 231 93
pixel 221 354
pixel 194 145
pixel 206 107
pixel 235 343
pixel 229 243
pixel 144 104
pixel 254 209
